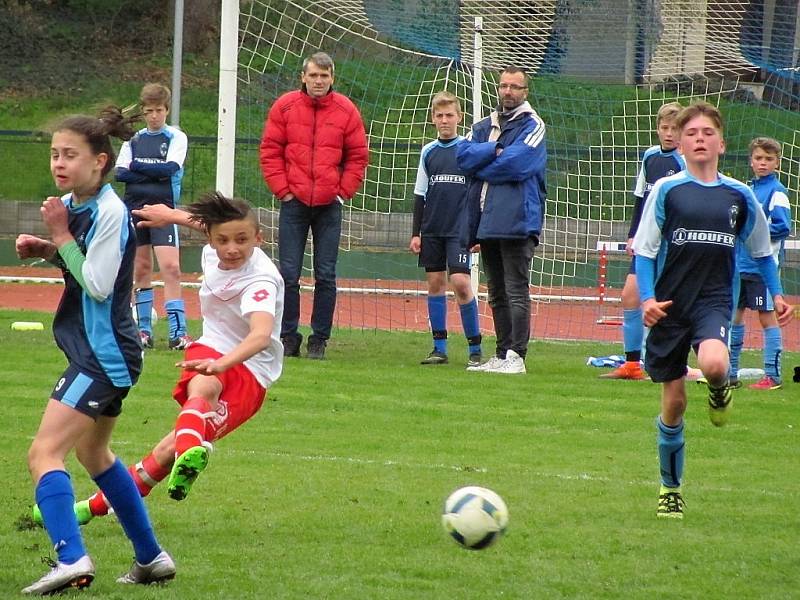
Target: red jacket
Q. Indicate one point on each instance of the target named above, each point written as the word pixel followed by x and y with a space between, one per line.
pixel 314 148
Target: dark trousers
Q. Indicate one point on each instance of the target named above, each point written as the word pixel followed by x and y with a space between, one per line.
pixel 507 264
pixel 325 224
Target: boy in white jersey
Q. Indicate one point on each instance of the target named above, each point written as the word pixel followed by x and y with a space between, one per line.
pixel 225 373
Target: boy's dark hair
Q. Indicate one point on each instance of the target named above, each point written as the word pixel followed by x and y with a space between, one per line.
pixel 98 131
pixel 214 208
pixel 767 144
pixel 155 93
pixel 700 108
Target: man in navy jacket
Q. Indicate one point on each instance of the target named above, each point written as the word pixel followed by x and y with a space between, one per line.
pixel 505 156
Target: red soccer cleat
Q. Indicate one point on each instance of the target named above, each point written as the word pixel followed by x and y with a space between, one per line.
pixel 766 383
pixel 629 370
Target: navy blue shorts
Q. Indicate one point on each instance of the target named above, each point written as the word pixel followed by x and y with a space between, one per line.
pixel 443 253
pixel 753 293
pixel 157 236
pixel 670 340
pixel 87 395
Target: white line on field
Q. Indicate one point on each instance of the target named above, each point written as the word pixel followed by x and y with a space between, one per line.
pixel 369 461
pixel 475 469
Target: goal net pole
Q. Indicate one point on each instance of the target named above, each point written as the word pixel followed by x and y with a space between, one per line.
pixel 226 109
pixel 477 115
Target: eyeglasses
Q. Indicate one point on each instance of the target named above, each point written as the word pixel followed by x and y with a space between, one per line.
pixel 512 86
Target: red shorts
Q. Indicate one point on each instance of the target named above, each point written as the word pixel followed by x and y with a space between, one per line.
pixel 241 397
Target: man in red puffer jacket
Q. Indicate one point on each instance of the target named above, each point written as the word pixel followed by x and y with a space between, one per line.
pixel 313 156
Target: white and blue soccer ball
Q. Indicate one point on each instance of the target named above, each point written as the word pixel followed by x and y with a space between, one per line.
pixel 153 315
pixel 475 517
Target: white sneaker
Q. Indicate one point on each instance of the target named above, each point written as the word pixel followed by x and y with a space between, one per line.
pixel 490 364
pixel 513 364
pixel 78 575
pixel 161 568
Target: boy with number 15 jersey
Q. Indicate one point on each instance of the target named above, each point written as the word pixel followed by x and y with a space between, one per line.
pixel 438 231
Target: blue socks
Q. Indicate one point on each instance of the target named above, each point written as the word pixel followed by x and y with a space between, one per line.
pixel 471 325
pixel 437 315
pixel 736 343
pixel 55 498
pixel 632 333
pixel 670 453
pixel 176 317
pixel 121 493
pixel 773 346
pixel 144 307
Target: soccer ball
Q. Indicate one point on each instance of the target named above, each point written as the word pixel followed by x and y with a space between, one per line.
pixel 153 315
pixel 475 517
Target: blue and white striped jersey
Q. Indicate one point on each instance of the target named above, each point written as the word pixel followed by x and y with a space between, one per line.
pixel 774 200
pixel 444 187
pixel 151 166
pixel 93 325
pixel 691 230
pixel 655 164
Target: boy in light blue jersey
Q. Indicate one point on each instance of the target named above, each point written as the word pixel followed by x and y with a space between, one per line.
pixel 438 232
pixel 151 166
pixel 765 156
pixel 685 266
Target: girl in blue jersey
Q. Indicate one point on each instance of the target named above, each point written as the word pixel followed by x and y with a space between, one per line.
pixel 93 242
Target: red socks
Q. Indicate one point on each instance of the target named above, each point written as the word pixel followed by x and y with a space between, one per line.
pixel 190 428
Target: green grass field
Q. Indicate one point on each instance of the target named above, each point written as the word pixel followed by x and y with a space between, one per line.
pixel 335 489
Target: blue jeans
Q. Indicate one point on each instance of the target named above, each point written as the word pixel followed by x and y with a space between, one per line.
pixel 325 223
pixel 507 264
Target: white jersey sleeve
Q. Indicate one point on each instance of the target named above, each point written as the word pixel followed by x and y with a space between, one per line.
pixel 178 147
pixel 104 249
pixel 125 156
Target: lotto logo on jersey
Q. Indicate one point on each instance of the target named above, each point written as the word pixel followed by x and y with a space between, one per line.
pixel 260 295
pixel 683 236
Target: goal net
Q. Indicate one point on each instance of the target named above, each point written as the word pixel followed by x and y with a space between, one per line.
pixel 600 72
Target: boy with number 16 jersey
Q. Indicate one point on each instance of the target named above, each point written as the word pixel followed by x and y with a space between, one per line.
pixel 438 231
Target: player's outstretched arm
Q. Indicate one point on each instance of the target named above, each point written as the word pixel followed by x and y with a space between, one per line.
pixel 159 215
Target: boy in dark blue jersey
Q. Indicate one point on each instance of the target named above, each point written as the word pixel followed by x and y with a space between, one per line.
pixel 437 231
pixel 151 166
pixel 658 161
pixel 93 244
pixel 685 266
pixel 765 157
